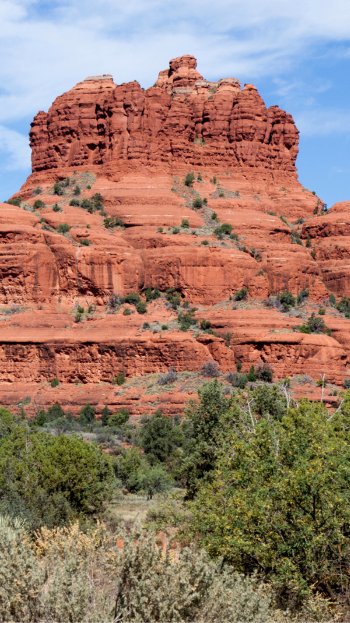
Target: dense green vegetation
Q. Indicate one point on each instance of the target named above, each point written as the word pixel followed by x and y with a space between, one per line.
pixel 50 480
pixel 264 481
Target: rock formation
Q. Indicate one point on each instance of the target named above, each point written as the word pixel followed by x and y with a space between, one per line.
pixel 127 220
pixel 182 119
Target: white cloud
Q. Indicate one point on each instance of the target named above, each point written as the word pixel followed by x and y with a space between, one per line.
pixel 48 47
pixel 14 149
pixel 323 122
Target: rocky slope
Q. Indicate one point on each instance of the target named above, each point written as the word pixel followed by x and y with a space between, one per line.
pixel 131 224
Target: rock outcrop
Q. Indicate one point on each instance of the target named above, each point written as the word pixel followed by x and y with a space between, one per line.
pixel 182 119
pixel 126 219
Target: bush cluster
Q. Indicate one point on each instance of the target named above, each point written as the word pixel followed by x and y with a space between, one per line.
pixel 111 221
pixel 187 319
pixel 223 230
pixel 173 297
pixel 189 179
pixel 63 228
pixel 152 295
pixel 315 324
pixel 242 294
pixel 168 378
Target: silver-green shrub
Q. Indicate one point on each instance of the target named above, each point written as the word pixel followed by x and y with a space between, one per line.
pixel 66 575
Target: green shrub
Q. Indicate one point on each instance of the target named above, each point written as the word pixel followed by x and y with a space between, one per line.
pixel 295 237
pixel 239 366
pixel 264 373
pixel 109 221
pixel 205 242
pixel 127 311
pixel 185 223
pixel 303 294
pixel 57 190
pixel 53 478
pixel 38 204
pixel 315 324
pixel 15 202
pixel 308 242
pixel 132 299
pixel 189 179
pixel 164 327
pixel 55 382
pixel 205 324
pixel 224 229
pixel 87 205
pixel 76 190
pixel 74 202
pixel 120 379
pixel 56 208
pixel 141 307
pixel 203 418
pixel 221 194
pixel 152 295
pixel 313 255
pixel 205 201
pixel 173 297
pixel 252 377
pixel 55 411
pixel 176 230
pixel 197 202
pixel 87 414
pixel 63 228
pixel 187 319
pixel 159 437
pixel 41 418
pixel 118 419
pixel 278 518
pixel 79 314
pixel 322 311
pixel 332 300
pixel 105 416
pixel 85 242
pixel 343 306
pixel 242 294
pixel 287 300
pixel 214 216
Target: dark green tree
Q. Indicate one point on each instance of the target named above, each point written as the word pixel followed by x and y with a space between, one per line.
pixel 54 478
pixel 87 414
pixel 158 437
pixel 204 426
pixel 105 415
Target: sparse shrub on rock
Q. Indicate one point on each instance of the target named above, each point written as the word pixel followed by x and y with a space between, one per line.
pixel 168 378
pixel 211 369
pixel 241 295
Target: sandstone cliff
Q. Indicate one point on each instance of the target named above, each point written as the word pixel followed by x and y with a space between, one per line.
pixel 182 119
pixel 106 211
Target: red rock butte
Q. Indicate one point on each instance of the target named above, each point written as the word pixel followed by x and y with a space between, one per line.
pixel 134 147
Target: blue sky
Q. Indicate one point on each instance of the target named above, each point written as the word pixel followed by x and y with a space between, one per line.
pixel 297 54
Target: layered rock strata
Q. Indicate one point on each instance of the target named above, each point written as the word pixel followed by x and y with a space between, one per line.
pixel 134 148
